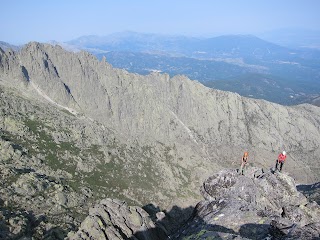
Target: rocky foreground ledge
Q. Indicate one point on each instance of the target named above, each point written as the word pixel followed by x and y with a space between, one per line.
pixel 256 206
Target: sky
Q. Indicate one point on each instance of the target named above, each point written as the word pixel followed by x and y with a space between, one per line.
pixel 22 21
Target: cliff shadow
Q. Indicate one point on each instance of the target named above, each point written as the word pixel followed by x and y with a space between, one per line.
pixel 18 223
pixel 182 223
pixel 310 191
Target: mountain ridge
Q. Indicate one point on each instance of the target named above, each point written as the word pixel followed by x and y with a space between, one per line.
pixel 220 58
pixel 123 101
pixel 74 130
pixel 295 67
pixel 181 45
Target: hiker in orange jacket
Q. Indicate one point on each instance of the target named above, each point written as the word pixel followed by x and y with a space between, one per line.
pixel 244 161
pixel 281 159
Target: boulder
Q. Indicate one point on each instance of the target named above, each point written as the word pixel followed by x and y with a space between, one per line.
pixel 252 206
pixel 114 219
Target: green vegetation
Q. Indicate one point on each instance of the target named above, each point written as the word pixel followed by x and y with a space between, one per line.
pixel 200 235
pixel 44 144
pixel 131 173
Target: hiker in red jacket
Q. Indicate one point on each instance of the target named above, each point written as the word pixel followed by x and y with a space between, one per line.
pixel 281 159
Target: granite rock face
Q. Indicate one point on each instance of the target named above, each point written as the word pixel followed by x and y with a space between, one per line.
pixel 113 219
pixel 265 205
pixel 201 123
pixel 74 130
pixel 257 205
pixel 57 165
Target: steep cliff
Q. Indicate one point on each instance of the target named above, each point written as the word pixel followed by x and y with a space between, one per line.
pixel 202 124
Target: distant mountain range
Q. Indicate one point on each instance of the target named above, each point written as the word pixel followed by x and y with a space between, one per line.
pixel 218 62
pixel 294 38
pixel 246 46
pixel 5 46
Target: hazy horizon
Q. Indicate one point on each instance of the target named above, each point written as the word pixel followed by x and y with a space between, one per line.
pixel 24 21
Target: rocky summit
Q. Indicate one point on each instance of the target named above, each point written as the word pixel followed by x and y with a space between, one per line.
pixel 260 205
pixel 77 134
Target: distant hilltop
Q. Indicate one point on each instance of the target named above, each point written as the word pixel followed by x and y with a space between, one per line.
pixel 5 46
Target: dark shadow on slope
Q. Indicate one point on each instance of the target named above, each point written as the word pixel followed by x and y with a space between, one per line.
pixel 204 231
pixel 199 229
pixel 167 222
pixel 67 88
pixel 312 191
pixel 25 73
pixel 18 223
pixel 175 225
pixel 55 233
pixel 23 170
pixel 18 147
pixel 254 231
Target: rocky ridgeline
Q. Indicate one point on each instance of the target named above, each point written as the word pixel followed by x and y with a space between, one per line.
pixel 260 205
pixel 209 129
pixel 74 130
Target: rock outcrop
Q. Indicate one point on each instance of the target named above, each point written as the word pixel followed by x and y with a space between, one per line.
pixel 261 205
pixel 113 219
pixel 257 205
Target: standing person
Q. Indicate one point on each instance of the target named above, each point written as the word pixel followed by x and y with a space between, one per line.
pixel 281 159
pixel 244 161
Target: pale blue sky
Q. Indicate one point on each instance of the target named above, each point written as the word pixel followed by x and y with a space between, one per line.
pixel 62 20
